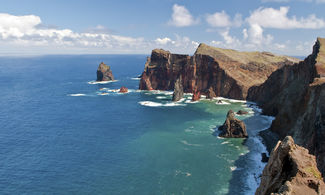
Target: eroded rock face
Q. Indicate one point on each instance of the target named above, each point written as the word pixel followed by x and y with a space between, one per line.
pixel 104 73
pixel 295 95
pixel 178 90
pixel 291 170
pixel 123 90
pixel 233 127
pixel 214 71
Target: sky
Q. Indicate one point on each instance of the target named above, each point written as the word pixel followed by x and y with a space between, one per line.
pixel 39 27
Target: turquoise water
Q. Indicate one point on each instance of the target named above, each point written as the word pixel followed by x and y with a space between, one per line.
pixel 63 133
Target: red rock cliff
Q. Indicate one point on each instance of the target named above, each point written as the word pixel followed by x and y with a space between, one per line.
pixel 225 72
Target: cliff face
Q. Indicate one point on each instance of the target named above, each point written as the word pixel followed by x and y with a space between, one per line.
pixel 295 96
pixel 291 170
pixel 213 71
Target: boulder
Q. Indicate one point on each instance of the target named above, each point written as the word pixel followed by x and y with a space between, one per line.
pixel 210 93
pixel 104 73
pixel 123 90
pixel 291 170
pixel 178 90
pixel 233 127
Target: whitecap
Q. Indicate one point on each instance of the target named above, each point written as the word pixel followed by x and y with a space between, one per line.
pixel 232 168
pixel 186 143
pixel 150 103
pixel 135 78
pixel 77 94
pixel 100 82
pixel 222 103
pixel 161 97
pixel 225 142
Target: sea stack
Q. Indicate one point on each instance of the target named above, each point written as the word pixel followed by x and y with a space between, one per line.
pixel 196 95
pixel 233 127
pixel 291 170
pixel 104 73
pixel 178 90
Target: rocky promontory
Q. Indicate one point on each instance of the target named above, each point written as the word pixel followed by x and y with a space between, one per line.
pixel 233 127
pixel 295 95
pixel 291 170
pixel 212 71
pixel 104 73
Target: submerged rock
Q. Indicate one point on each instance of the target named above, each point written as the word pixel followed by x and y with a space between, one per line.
pixel 178 90
pixel 123 90
pixel 265 158
pixel 241 112
pixel 291 170
pixel 104 73
pixel 233 127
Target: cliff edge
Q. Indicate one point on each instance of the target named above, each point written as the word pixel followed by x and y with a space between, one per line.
pixel 221 72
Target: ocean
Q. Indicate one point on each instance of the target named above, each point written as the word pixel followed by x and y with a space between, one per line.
pixel 63 133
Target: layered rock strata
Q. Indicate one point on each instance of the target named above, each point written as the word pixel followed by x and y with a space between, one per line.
pixel 213 71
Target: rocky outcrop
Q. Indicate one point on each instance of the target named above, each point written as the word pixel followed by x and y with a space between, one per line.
pixel 104 73
pixel 295 95
pixel 178 90
pixel 210 93
pixel 233 127
pixel 214 71
pixel 291 170
pixel 196 95
pixel 123 90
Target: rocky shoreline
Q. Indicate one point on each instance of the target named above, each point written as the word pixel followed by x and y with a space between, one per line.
pixel 292 91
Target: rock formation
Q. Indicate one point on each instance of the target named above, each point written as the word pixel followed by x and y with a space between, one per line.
pixel 210 93
pixel 104 73
pixel 291 170
pixel 233 127
pixel 123 90
pixel 196 95
pixel 178 90
pixel 214 71
pixel 295 95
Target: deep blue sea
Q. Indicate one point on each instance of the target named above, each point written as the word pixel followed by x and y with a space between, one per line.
pixel 63 133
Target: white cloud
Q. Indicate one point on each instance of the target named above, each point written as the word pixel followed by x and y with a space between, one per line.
pixel 222 19
pixel 181 17
pixel 218 19
pixel 163 41
pixel 278 18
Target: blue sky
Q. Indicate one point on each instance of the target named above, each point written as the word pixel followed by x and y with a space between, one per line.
pixel 136 27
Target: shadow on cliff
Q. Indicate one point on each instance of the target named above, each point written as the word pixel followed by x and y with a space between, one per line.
pixel 246 176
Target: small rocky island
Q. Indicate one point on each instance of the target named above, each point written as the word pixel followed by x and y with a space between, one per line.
pixel 104 73
pixel 233 127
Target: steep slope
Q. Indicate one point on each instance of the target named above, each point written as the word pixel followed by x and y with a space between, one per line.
pixel 291 170
pixel 227 73
pixel 295 95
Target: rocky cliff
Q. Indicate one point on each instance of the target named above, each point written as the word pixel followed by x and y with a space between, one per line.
pixel 295 95
pixel 213 71
pixel 291 170
pixel 104 73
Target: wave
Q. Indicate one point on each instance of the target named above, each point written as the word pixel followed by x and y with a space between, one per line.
pixel 186 143
pixel 222 103
pixel 135 78
pixel 77 94
pixel 100 82
pixel 157 104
